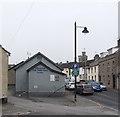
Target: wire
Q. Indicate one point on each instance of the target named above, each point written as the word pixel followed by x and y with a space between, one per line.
pixel 21 23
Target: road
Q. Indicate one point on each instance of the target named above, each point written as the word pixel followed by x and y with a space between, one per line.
pixel 45 108
pixel 107 98
pixel 63 105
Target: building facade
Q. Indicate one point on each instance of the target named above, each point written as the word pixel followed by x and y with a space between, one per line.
pixel 117 59
pixel 4 55
pixel 82 67
pixel 107 71
pixel 93 70
pixel 12 74
pixel 39 76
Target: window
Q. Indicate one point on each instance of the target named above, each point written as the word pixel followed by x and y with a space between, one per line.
pixel 52 77
pixel 109 82
pixel 95 69
pixel 92 70
pixel 113 62
pixel 95 77
pixel 99 78
pixel 56 78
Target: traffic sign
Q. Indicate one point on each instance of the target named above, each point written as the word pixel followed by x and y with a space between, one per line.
pixel 75 66
pixel 75 73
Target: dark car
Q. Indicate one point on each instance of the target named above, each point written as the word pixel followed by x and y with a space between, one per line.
pixel 96 86
pixel 84 89
pixel 89 81
pixel 82 81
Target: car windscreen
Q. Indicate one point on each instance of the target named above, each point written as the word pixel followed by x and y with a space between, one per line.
pixel 95 84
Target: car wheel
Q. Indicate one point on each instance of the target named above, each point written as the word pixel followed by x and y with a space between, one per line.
pixel 101 90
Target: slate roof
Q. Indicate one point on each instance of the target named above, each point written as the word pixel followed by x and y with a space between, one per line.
pixel 15 66
pixel 36 56
pixel 70 64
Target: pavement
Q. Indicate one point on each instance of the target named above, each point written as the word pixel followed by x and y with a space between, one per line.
pixel 54 106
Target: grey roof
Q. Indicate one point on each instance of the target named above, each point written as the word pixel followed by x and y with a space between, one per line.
pixel 46 67
pixel 15 66
pixel 80 64
pixel 36 56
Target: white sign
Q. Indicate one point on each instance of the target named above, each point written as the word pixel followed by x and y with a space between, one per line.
pixel 52 77
pixel 35 86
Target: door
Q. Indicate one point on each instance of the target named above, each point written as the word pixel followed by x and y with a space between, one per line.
pixel 113 81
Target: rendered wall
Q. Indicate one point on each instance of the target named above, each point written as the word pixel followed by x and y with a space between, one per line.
pixel 21 73
pixel 40 84
pixel 3 73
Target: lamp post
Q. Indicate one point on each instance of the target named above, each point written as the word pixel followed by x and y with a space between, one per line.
pixel 75 61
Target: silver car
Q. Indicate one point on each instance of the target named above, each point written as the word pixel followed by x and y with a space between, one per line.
pixel 70 85
pixel 103 86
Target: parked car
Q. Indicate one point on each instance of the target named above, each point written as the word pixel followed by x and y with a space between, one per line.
pixel 70 85
pixel 67 80
pixel 84 89
pixel 96 86
pixel 103 86
pixel 82 81
pixel 89 81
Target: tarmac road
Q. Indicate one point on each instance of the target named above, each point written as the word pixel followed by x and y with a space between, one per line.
pixel 55 106
pixel 107 98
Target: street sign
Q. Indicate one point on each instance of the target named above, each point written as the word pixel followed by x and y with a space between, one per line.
pixel 75 66
pixel 75 72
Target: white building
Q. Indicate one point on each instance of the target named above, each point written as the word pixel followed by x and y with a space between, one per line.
pixel 93 70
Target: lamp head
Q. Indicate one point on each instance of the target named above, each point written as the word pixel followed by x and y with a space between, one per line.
pixel 85 30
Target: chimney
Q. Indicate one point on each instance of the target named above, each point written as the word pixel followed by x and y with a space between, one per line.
pixel 67 61
pixel 96 57
pixel 60 63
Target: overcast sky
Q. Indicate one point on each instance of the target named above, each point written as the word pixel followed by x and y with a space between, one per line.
pixel 30 26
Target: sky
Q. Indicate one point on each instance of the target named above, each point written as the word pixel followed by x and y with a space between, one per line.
pixel 47 26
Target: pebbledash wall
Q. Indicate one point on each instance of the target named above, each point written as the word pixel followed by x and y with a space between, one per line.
pixel 4 55
pixel 119 37
pixel 37 76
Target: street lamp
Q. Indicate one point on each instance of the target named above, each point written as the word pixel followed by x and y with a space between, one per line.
pixel 75 61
